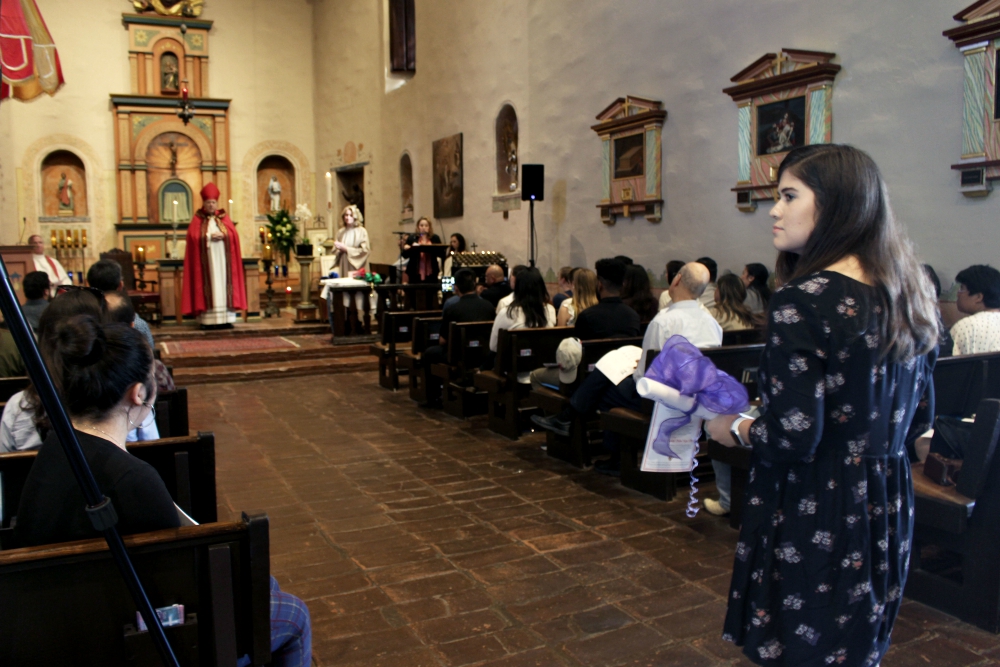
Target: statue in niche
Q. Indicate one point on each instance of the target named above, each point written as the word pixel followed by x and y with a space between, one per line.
pixel 169 73
pixel 190 8
pixel 274 191
pixel 65 194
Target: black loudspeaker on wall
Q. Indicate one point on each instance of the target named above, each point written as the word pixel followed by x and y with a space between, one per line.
pixel 533 182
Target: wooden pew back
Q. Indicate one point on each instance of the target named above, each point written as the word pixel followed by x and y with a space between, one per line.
pixel 961 382
pixel 12 385
pixel 468 345
pixel 742 337
pixel 186 465
pixel 524 350
pixel 66 604
pixel 396 326
pixel 426 331
pixel 172 413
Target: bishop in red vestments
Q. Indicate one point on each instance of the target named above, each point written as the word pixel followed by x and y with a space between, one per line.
pixel 214 285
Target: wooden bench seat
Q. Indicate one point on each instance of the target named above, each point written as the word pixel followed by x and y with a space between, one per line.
pixel 468 347
pixel 518 351
pixel 955 562
pixel 396 330
pixel 186 466
pixel 426 331
pixel 67 604
pixel 585 431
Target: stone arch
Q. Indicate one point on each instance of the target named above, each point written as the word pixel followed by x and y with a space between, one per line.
pixel 29 197
pixel 253 158
pixel 507 150
pixel 154 130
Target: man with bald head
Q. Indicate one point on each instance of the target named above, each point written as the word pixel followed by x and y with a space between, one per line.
pixel 49 265
pixel 684 317
pixel 497 286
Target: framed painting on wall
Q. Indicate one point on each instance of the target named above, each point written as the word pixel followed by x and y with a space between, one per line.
pixel 783 101
pixel 780 125
pixel 447 175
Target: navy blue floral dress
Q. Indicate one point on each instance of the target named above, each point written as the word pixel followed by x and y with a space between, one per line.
pixel 825 543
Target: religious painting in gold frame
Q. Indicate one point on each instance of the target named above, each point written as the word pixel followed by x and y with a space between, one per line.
pixel 783 101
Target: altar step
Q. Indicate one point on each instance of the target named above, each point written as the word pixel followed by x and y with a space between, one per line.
pixel 256 327
pixel 241 371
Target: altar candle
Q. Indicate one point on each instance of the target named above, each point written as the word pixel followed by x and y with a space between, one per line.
pixel 263 239
pixel 175 212
pixel 83 237
pixel 76 238
pixel 184 93
pixel 69 238
pixel 62 238
pixel 329 191
pixel 267 251
pixel 140 254
pixel 55 239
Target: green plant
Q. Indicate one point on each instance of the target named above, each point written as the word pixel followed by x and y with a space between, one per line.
pixel 283 232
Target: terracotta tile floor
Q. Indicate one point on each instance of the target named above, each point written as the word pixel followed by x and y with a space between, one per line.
pixel 422 540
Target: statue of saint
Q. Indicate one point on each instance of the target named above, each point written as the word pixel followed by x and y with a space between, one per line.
pixel 214 284
pixel 65 194
pixel 169 72
pixel 274 191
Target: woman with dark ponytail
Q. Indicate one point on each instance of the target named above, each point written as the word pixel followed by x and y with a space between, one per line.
pixel 103 372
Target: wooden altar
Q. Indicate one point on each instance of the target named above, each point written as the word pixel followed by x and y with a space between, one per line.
pixel 170 273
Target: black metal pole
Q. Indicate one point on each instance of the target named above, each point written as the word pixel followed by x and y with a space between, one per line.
pixel 531 233
pixel 99 508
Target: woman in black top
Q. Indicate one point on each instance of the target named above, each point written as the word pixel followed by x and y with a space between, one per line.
pixel 104 374
pixel 846 380
pixel 421 267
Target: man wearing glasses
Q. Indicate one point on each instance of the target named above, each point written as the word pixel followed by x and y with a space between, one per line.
pixel 979 298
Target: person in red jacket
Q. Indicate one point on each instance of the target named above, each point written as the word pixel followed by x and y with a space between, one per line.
pixel 214 286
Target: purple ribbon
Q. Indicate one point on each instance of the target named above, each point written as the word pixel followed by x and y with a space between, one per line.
pixel 682 366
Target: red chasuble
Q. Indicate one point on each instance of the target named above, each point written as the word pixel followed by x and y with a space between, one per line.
pixel 197 278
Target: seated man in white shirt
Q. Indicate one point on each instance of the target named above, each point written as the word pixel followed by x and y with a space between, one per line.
pixel 684 317
pixel 979 298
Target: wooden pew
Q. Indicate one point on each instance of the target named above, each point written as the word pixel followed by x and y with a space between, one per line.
pixel 426 331
pixel 66 604
pixel 172 413
pixel 960 383
pixel 518 351
pixel 468 347
pixel 742 337
pixel 956 540
pixel 576 449
pixel 396 329
pixel 632 426
pixel 186 465
pixel 12 385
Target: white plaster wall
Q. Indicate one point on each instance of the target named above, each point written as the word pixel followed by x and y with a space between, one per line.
pixel 561 61
pixel 260 56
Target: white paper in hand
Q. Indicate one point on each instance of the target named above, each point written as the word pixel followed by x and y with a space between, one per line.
pixel 619 364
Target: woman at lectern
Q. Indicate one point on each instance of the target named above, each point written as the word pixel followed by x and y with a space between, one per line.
pixel 422 267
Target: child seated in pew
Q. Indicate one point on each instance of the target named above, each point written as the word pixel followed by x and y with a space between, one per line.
pixel 24 425
pixel 103 373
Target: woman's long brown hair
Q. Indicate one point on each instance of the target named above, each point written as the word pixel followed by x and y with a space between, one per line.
pixel 854 218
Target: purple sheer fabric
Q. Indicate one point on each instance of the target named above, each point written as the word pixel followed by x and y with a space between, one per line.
pixel 682 366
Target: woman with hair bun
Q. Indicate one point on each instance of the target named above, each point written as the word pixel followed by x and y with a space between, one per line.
pixel 104 374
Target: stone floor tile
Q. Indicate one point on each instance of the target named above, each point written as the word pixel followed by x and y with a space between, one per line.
pixel 420 540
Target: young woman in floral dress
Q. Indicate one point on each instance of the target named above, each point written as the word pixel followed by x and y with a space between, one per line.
pixel 845 379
